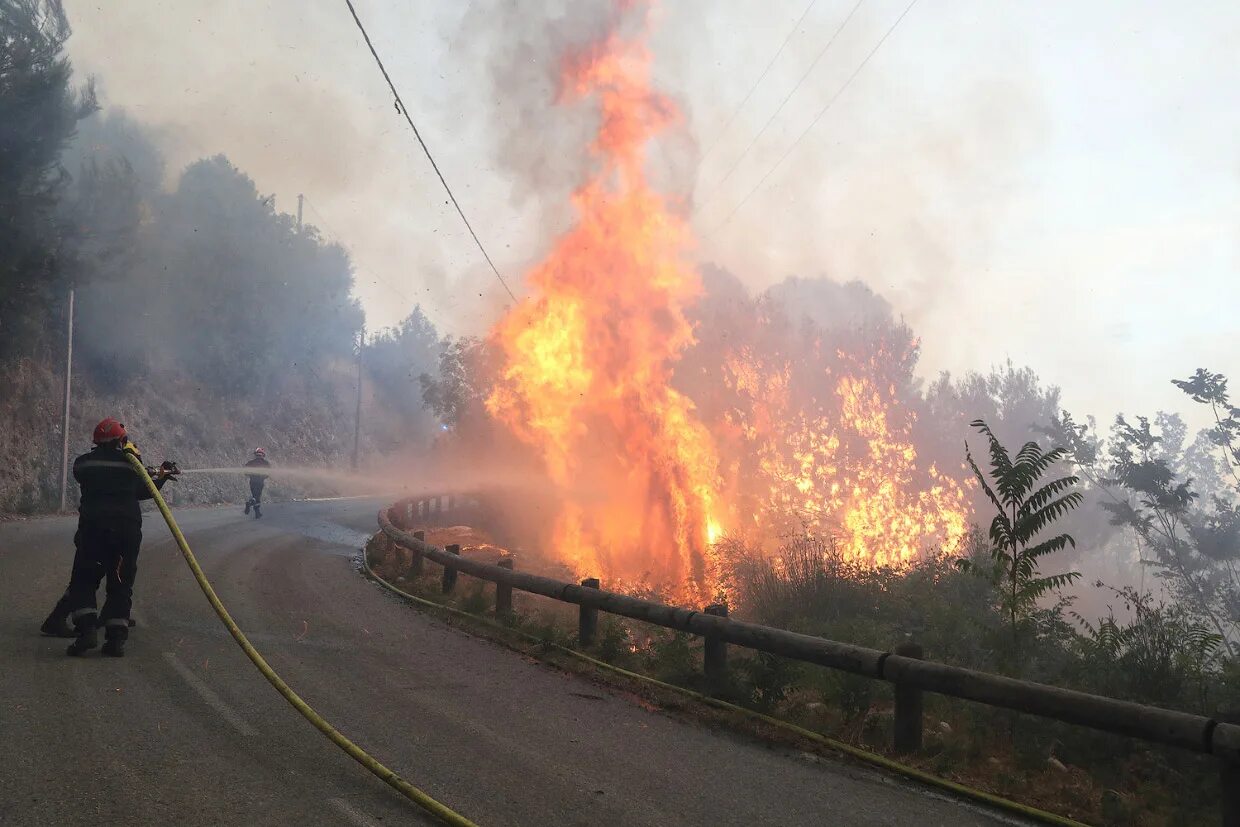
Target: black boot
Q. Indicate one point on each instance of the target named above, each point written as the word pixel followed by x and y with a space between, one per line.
pixel 257 511
pixel 116 634
pixel 248 504
pixel 87 634
pixel 57 625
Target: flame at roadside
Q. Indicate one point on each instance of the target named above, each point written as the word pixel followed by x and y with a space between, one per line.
pixel 842 464
pixel 589 356
pixel 801 437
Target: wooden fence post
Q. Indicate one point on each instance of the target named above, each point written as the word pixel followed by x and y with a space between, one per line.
pixel 503 592
pixel 415 556
pixel 449 572
pixel 907 723
pixel 1229 775
pixel 587 618
pixel 715 649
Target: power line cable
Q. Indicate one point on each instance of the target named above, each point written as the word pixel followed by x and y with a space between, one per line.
pixel 400 107
pixel 719 186
pixel 719 134
pixel 814 122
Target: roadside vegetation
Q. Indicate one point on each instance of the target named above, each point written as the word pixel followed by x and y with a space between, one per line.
pixel 1000 605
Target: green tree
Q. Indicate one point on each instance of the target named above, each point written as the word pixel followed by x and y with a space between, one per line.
pixel 396 359
pixel 1153 484
pixel 39 111
pixel 1211 389
pixel 1186 544
pixel 225 289
pixel 457 395
pixel 117 174
pixel 1025 508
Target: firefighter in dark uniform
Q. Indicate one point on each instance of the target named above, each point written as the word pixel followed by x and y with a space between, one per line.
pixel 109 537
pixel 257 481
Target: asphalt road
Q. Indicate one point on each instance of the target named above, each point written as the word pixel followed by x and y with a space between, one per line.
pixel 185 731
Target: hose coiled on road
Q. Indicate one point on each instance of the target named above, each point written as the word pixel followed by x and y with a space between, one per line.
pixel 389 777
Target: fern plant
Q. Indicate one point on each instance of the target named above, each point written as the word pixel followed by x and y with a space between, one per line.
pixel 1025 508
pixel 1161 655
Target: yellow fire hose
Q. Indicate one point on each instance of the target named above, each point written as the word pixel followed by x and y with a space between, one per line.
pixel 435 808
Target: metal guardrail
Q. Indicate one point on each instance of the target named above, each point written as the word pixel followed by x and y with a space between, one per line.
pixel 903 667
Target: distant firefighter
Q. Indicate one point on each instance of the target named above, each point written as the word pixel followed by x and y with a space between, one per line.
pixel 257 481
pixel 108 539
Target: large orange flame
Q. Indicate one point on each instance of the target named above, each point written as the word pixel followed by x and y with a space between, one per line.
pixel 589 357
pixel 588 363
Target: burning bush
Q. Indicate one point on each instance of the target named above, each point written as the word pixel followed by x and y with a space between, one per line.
pixel 797 427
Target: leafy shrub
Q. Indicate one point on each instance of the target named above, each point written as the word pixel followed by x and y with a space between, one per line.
pixel 613 641
pixel 1160 656
pixel 768 679
pixel 476 600
pixel 670 658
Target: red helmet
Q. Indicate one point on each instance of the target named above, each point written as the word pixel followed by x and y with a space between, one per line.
pixel 260 452
pixel 107 431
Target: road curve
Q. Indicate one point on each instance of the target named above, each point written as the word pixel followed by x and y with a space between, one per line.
pixel 185 731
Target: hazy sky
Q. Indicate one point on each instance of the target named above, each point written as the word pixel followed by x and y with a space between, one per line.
pixel 1054 182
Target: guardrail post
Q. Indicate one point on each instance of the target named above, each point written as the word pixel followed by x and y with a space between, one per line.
pixel 908 714
pixel 449 502
pixel 587 618
pixel 415 556
pixel 715 649
pixel 449 572
pixel 503 591
pixel 1229 775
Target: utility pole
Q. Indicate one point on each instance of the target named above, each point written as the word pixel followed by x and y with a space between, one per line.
pixel 64 424
pixel 300 198
pixel 357 417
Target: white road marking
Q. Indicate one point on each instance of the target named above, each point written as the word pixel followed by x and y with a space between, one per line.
pixel 352 813
pixel 214 701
